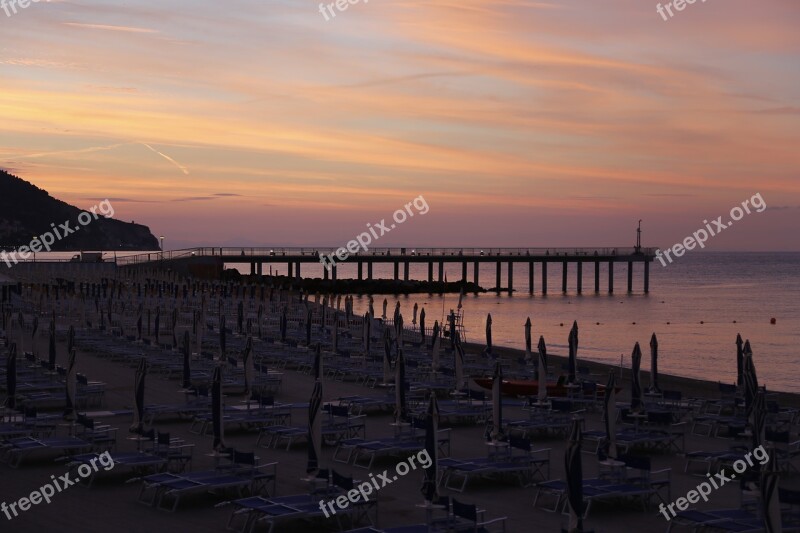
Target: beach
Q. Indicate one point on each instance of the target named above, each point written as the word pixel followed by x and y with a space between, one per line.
pixel 111 503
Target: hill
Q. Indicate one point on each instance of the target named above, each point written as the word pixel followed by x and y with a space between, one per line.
pixel 27 211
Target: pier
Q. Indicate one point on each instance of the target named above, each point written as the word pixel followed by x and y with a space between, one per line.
pixel 306 261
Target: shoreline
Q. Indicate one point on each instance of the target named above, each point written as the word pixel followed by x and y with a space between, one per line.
pixel 689 387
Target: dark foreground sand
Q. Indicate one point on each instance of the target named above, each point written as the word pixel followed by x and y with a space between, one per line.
pixel 111 506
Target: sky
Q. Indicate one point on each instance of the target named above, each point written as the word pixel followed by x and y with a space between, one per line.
pixel 520 123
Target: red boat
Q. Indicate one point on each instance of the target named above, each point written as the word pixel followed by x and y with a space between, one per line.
pixel 526 387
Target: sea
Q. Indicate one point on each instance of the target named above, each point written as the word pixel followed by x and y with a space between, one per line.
pixel 696 306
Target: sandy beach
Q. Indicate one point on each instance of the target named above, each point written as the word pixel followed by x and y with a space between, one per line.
pixel 111 503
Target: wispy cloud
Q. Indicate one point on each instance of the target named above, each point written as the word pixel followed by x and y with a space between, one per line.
pixel 106 27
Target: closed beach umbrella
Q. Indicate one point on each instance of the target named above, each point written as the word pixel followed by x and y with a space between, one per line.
pixel 223 338
pixel 322 312
pixel 459 364
pixel 414 316
pixel 429 485
pixel 400 407
pixel 187 353
pixel 216 409
pixel 308 326
pixel 318 369
pixel 385 304
pixel 51 347
pixel 138 397
pixel 542 373
pixel 610 415
pixel 435 332
pixel 739 361
pixel 654 365
pixel 371 309
pixel 21 324
pixel 750 379
pixel 528 343
pixel 387 355
pixel 157 330
pixel 436 345
pixel 249 366
pixel 574 472
pixel 70 338
pixel 11 377
pixel 70 384
pixel 422 326
pixel 174 328
pixel 542 348
pixel 452 321
pixel 201 325
pixel 284 324
pixel 636 386
pixel 497 403
pixel 367 332
pixel 758 420
pixel 315 428
pixel 770 500
pixel 573 353
pixel 488 350
pixel 399 328
pixel 335 333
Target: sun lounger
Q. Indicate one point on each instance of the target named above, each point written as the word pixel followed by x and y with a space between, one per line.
pixel 15 451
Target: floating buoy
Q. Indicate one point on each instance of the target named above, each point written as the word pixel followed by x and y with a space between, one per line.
pixel 562 324
pixel 634 323
pixel 598 323
pixel 734 322
pixel 772 321
pixel 668 323
pixel 702 322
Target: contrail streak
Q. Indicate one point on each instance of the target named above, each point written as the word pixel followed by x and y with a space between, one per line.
pixel 168 158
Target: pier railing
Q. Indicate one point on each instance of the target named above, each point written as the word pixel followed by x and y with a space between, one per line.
pixel 230 253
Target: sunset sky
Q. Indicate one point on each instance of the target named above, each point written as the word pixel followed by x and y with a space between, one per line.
pixel 522 123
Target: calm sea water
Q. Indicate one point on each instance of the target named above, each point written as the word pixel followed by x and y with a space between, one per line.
pixel 692 306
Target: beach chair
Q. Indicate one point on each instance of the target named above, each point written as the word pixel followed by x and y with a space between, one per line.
pixel 15 451
pixel 132 462
pixel 102 436
pixel 517 460
pixel 467 517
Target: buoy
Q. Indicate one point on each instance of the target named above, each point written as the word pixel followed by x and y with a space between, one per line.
pixel 702 322
pixel 734 322
pixel 634 323
pixel 668 323
pixel 772 321
pixel 598 323
pixel 562 324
